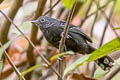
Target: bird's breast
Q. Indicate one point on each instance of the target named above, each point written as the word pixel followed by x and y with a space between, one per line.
pixel 53 37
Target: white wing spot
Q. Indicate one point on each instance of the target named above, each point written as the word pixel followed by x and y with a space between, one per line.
pixel 106 61
pixel 68 36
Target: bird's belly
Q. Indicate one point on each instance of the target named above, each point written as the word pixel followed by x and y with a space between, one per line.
pixel 71 45
pixel 53 39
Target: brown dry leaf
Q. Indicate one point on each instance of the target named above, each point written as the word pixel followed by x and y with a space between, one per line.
pixel 17 48
pixel 76 76
pixel 17 52
pixel 68 57
pixel 5 4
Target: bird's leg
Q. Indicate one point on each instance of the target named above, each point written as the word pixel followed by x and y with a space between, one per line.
pixel 64 56
pixel 65 49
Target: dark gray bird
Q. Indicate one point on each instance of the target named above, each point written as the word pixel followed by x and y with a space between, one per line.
pixel 76 40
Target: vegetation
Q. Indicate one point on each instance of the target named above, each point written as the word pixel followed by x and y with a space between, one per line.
pixel 24 50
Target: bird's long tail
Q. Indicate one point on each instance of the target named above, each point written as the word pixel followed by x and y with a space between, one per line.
pixel 105 62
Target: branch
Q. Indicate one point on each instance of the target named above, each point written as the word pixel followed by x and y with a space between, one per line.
pixel 111 74
pixel 98 8
pixel 108 22
pixel 42 57
pixel 91 32
pixel 111 25
pixel 51 8
pixel 78 7
pixel 86 17
pixel 89 7
pixel 62 41
pixel 33 37
pixel 12 64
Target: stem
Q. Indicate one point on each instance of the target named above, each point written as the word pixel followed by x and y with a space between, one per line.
pixel 33 37
pixel 51 8
pixel 31 43
pixel 12 64
pixel 62 41
pixel 108 22
pixel 111 74
pixel 86 15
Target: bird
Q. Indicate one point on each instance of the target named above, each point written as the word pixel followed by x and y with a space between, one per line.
pixel 76 39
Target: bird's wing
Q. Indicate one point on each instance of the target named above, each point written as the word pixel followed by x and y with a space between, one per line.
pixel 80 32
pixel 75 30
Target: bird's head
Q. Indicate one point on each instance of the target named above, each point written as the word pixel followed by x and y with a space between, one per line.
pixel 44 22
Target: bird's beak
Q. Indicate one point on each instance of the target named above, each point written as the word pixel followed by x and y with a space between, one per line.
pixel 34 22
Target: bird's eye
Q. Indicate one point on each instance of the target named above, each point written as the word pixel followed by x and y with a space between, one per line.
pixel 42 20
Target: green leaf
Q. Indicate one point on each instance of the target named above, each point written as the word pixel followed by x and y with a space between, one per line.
pixel 99 73
pixel 61 54
pixel 29 70
pixel 54 57
pixel 104 50
pixel 4 47
pixel 117 28
pixel 108 48
pixel 68 3
pixel 25 28
pixel 76 64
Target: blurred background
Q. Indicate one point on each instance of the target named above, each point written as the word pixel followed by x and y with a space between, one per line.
pixel 99 19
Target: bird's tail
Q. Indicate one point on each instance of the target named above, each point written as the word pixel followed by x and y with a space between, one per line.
pixel 105 62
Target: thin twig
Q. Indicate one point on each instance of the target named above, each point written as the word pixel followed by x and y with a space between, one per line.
pixel 98 8
pixel 91 33
pixel 86 15
pixel 42 57
pixel 108 22
pixel 96 11
pixel 78 7
pixel 12 64
pixel 64 15
pixel 93 69
pixel 62 41
pixel 111 74
pixel 111 25
pixel 51 8
pixel 33 37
